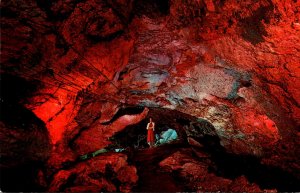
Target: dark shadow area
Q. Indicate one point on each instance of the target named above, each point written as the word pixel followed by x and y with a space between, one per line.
pixel 15 89
pixel 133 136
pixel 96 38
pixel 151 8
pixel 7 11
pixel 57 15
pixel 25 142
pixel 253 29
pixel 21 178
pixel 267 177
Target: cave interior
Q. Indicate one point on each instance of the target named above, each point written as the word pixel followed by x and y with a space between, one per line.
pixel 80 80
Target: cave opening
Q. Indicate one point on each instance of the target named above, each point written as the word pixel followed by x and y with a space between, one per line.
pixel 198 137
pixel 169 128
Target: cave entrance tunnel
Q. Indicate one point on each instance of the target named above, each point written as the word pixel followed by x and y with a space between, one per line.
pixel 171 127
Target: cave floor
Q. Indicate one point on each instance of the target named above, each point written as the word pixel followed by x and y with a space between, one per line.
pixel 151 177
pixel 228 169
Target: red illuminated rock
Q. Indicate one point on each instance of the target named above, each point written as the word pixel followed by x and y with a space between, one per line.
pixel 96 18
pixel 128 177
pixel 60 179
pixel 97 174
pixel 97 136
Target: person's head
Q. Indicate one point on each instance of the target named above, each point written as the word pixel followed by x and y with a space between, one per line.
pixel 150 119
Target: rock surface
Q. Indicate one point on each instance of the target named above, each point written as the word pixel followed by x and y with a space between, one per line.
pixel 103 173
pixel 198 176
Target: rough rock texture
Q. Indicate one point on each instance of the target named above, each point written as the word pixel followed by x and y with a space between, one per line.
pixel 103 173
pixel 233 63
pixel 97 136
pixel 198 177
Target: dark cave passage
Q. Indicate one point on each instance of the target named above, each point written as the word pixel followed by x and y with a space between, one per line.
pixel 24 138
pixel 134 136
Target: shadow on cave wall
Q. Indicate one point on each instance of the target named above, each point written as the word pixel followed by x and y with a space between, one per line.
pixel 25 142
pixel 151 8
pixel 253 29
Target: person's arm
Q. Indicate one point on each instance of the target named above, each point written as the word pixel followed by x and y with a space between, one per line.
pixel 153 126
pixel 147 126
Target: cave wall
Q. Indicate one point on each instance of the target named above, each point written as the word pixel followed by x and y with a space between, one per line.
pixel 235 64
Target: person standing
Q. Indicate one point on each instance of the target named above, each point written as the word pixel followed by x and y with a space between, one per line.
pixel 150 134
